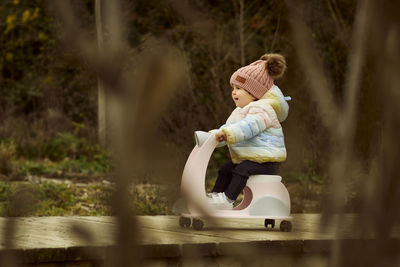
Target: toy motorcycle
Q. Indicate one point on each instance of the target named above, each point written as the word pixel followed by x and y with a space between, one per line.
pixel 263 197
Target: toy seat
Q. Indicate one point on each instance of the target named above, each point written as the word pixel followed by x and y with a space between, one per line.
pixel 267 196
pixel 264 178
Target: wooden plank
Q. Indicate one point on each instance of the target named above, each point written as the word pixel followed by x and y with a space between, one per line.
pixel 42 232
pixel 51 239
pixel 305 227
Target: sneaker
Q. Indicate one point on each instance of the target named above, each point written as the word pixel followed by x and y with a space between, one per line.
pixel 210 195
pixel 220 201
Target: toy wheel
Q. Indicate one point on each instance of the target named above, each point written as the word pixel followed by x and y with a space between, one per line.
pixel 184 222
pixel 268 222
pixel 285 226
pixel 197 224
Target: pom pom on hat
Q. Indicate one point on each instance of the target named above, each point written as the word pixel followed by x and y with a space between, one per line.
pixel 275 64
pixel 258 77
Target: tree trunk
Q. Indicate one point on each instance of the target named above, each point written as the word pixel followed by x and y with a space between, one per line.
pixel 241 33
pixel 101 115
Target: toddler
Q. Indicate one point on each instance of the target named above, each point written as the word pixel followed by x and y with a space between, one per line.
pixel 253 131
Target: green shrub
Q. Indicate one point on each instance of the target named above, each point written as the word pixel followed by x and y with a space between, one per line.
pixel 7 157
pixel 6 191
pixel 84 166
pixel 77 154
pixel 33 168
pixel 64 152
pixel 67 165
pixel 61 146
pixel 305 177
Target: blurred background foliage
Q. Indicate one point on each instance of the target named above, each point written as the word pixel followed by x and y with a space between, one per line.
pixel 48 95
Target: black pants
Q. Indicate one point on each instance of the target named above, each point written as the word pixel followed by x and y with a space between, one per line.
pixel 232 178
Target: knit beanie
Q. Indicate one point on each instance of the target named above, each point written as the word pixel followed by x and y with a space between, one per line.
pixel 258 77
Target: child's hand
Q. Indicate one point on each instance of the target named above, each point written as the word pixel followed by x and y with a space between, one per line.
pixel 220 136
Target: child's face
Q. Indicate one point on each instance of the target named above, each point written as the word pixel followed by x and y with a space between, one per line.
pixel 241 97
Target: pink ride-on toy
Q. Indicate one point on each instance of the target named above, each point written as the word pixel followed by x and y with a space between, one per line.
pixel 264 196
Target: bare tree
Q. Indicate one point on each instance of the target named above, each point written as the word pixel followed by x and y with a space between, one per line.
pixel 101 115
pixel 241 33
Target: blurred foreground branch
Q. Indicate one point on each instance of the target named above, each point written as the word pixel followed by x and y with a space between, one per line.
pixel 137 91
pixel 381 188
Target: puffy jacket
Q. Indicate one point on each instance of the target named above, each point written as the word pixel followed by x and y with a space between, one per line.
pixel 254 132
